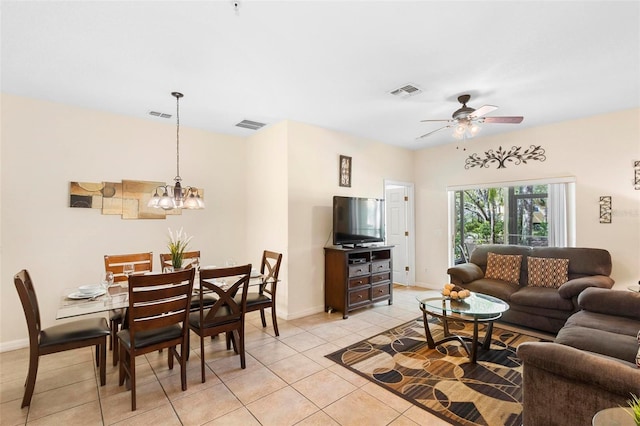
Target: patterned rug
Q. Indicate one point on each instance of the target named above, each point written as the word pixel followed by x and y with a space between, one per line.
pixel 442 380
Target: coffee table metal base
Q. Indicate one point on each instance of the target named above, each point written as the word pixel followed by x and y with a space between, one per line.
pixel 464 340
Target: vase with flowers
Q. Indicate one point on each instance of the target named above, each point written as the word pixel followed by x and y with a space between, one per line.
pixel 177 245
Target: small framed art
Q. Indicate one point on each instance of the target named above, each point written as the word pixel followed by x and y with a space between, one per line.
pixel 344 175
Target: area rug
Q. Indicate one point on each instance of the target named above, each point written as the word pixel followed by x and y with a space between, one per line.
pixel 442 380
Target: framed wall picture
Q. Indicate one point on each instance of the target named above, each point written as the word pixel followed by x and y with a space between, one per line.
pixel 345 171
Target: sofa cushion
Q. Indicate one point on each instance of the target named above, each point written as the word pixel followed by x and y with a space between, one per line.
pixel 494 288
pixel 542 297
pixel 547 272
pixel 612 302
pixel 503 267
pixel 611 323
pixel 615 345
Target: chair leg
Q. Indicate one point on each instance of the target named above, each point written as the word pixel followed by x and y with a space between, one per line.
pixel 103 362
pixel 98 355
pixel 183 365
pixel 264 321
pixel 275 320
pixel 202 358
pixel 243 361
pixel 116 357
pixel 31 377
pixel 170 357
pixel 132 377
pixel 122 363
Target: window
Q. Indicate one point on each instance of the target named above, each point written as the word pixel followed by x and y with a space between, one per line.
pixel 528 213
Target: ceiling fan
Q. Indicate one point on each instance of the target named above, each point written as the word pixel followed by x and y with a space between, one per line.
pixel 466 120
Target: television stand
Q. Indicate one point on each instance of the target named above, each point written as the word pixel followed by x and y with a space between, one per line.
pixel 357 277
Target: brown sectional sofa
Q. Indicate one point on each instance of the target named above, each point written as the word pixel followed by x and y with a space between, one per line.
pixel 541 308
pixel 590 366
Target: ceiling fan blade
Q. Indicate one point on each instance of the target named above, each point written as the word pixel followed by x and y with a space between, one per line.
pixel 514 120
pixel 483 110
pixel 444 119
pixel 430 133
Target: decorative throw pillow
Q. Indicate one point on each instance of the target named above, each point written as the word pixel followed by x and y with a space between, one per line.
pixel 547 272
pixel 504 267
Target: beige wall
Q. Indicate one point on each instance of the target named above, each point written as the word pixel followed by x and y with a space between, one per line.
pixel 598 151
pixel 313 181
pixel 267 196
pixel 47 145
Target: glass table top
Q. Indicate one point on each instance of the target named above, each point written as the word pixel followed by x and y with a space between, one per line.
pixel 476 305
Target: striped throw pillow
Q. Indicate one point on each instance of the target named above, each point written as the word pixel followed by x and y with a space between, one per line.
pixel 504 267
pixel 547 272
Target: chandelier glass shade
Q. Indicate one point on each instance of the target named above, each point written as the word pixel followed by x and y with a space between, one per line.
pixel 176 196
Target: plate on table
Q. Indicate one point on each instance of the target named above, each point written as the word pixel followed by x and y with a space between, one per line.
pixel 77 295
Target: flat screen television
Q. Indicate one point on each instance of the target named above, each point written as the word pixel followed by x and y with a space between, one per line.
pixel 357 220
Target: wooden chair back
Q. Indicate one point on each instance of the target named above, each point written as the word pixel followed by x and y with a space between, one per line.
pixel 226 309
pixel 270 268
pixel 190 259
pixel 29 300
pixel 142 262
pixel 160 300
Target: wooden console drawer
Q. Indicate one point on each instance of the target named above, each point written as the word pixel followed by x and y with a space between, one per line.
pixel 359 296
pixel 384 265
pixel 380 277
pixel 359 269
pixel 380 291
pixel 360 281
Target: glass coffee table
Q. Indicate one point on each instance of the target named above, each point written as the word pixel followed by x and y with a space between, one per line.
pixel 477 308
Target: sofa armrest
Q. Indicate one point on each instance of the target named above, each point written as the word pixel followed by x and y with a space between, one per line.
pixel 611 302
pixel 465 273
pixel 555 375
pixel 573 288
pixel 575 365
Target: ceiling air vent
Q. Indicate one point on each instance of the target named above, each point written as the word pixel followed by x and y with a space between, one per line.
pixel 160 114
pixel 406 91
pixel 253 125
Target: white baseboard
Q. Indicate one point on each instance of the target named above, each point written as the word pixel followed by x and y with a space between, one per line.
pixel 13 345
pixel 304 313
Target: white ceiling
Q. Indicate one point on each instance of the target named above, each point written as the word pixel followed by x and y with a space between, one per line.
pixel 327 63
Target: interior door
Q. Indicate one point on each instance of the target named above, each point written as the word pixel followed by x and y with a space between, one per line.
pixel 397 233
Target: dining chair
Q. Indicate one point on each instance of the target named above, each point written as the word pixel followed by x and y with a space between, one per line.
pixel 58 338
pixel 265 297
pixel 157 318
pixel 226 315
pixel 142 263
pixel 190 259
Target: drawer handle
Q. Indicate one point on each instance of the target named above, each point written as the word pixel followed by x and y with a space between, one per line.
pixel 380 291
pixel 359 296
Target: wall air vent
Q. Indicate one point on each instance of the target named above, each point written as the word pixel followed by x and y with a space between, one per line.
pixel 248 124
pixel 406 91
pixel 160 114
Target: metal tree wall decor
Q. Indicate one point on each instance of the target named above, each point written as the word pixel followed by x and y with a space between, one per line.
pixel 514 155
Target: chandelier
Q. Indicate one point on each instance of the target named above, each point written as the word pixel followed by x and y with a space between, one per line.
pixel 176 196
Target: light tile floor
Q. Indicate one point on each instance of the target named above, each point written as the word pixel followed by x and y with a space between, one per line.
pixel 288 381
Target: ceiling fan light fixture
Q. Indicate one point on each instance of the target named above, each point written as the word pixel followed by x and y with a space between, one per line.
pixel 474 129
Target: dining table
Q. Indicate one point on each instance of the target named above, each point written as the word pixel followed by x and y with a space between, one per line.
pixel 73 304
